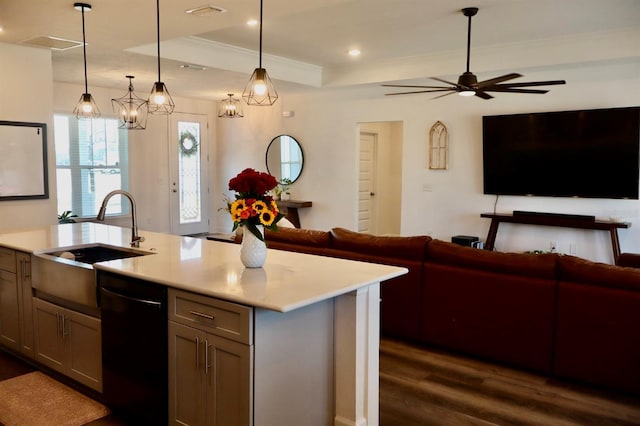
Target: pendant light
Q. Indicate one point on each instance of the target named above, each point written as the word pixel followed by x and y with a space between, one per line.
pixel 132 110
pixel 86 107
pixel 230 107
pixel 260 91
pixel 160 101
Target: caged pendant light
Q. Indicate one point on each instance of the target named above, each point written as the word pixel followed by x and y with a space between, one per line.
pixel 86 107
pixel 160 101
pixel 132 110
pixel 260 91
pixel 230 107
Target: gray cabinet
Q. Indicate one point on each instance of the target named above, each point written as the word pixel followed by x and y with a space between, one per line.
pixel 210 376
pixel 16 327
pixel 68 342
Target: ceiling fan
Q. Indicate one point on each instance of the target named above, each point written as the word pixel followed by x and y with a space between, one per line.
pixel 468 84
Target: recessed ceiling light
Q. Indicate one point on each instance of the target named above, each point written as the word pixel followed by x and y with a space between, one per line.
pixel 193 67
pixel 252 22
pixel 354 52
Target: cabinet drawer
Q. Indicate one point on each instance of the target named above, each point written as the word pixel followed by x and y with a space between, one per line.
pixel 7 259
pixel 214 316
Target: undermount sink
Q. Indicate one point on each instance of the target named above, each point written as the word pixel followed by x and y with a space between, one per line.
pixel 95 253
pixel 66 276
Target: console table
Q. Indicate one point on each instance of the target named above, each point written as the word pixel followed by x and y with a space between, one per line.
pixel 291 207
pixel 555 220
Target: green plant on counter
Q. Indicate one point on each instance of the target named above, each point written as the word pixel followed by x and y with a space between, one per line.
pixel 66 217
pixel 283 187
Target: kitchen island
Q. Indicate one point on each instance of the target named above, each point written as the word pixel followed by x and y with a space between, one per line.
pixel 312 322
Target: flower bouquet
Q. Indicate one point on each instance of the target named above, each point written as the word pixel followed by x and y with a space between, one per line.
pixel 252 205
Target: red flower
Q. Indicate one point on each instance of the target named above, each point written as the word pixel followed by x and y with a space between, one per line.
pixel 252 183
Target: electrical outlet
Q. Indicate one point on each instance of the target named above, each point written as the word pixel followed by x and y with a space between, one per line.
pixel 552 246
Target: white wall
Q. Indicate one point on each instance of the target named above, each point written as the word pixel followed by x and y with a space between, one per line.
pixel 26 93
pixel 326 124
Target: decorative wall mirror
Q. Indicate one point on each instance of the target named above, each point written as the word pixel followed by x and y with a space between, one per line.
pixel 284 158
pixel 438 146
pixel 23 162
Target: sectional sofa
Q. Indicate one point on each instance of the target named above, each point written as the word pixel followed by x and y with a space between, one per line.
pixel 562 316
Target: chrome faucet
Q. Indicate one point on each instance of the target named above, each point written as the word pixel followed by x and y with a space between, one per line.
pixel 135 238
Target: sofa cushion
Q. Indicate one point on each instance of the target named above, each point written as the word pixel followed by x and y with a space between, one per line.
pixel 301 237
pixel 538 265
pixel 503 317
pixel 410 248
pixel 575 269
pixel 597 339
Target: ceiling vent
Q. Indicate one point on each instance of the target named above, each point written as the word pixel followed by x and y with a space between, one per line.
pixel 207 10
pixel 53 43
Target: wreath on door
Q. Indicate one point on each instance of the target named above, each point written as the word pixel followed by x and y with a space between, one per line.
pixel 188 143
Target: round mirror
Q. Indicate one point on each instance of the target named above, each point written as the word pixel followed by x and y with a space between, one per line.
pixel 285 158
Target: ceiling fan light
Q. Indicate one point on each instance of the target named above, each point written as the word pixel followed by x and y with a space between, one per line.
pixel 467 92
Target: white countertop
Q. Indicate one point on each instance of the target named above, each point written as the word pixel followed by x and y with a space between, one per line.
pixel 287 281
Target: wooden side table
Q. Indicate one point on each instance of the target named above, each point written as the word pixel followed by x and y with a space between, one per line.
pixel 290 209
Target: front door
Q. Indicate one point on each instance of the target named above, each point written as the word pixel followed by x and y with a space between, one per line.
pixel 189 171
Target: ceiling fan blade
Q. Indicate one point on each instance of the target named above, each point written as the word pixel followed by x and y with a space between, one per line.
pixel 533 83
pixel 515 90
pixel 418 91
pixel 416 87
pixel 446 94
pixel 496 80
pixel 483 95
pixel 444 81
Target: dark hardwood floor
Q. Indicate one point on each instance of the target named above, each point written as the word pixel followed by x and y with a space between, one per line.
pixel 425 386
pixel 421 386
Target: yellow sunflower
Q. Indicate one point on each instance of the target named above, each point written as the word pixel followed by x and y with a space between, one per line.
pixel 259 206
pixel 267 217
pixel 274 206
pixel 238 206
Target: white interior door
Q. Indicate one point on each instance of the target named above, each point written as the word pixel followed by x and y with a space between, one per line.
pixel 189 171
pixel 367 183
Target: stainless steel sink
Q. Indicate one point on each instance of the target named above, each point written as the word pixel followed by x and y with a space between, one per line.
pixel 66 276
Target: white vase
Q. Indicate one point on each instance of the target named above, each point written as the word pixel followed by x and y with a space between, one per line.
pixel 253 251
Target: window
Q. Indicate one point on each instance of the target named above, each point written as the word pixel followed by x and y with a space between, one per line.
pixel 91 161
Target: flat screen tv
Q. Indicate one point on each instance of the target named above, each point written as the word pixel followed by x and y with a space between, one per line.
pixel 588 153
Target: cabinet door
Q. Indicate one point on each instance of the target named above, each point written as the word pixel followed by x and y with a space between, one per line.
pixel 228 366
pixel 49 345
pixel 187 380
pixel 83 341
pixel 9 311
pixel 25 296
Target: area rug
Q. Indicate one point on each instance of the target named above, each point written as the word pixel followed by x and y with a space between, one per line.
pixel 34 399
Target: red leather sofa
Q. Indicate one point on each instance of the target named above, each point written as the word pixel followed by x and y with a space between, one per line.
pixel 558 315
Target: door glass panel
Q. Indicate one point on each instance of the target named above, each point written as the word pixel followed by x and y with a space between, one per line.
pixel 189 171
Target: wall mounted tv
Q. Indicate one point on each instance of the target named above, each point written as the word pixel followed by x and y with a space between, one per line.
pixel 588 153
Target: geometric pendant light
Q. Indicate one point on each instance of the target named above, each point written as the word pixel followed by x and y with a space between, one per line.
pixel 132 110
pixel 86 107
pixel 260 90
pixel 160 101
pixel 230 107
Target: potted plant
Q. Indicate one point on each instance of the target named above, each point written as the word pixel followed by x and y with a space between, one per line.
pixel 282 190
pixel 66 217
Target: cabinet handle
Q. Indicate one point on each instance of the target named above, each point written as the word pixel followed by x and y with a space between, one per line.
pixel 64 326
pixel 197 353
pixel 25 268
pixel 206 356
pixel 58 324
pixel 201 315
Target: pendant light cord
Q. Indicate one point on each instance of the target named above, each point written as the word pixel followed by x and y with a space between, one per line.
pixel 158 33
pixel 84 50
pixel 260 60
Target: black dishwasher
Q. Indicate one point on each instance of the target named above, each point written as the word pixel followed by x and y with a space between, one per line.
pixel 134 348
